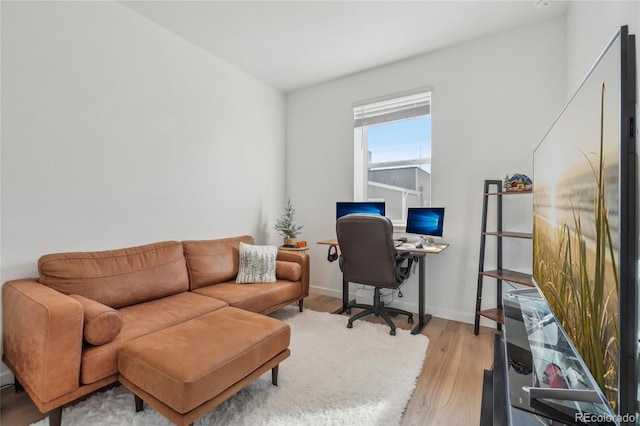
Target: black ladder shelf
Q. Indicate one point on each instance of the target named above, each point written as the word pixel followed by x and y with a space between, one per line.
pixel 499 273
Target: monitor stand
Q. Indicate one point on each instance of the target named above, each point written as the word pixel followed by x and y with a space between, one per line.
pixel 427 240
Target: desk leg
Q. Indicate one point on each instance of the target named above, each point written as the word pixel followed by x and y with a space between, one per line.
pixel 423 318
pixel 345 298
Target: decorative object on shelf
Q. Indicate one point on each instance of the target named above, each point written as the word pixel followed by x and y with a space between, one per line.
pixel 286 226
pixel 518 182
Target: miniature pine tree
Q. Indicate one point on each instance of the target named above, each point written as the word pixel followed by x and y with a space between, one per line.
pixel 285 225
pixel 507 183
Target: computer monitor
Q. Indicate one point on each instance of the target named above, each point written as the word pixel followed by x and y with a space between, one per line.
pixel 425 221
pixel 364 207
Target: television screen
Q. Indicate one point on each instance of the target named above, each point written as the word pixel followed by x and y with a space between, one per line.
pixel 427 221
pixel 363 207
pixel 584 231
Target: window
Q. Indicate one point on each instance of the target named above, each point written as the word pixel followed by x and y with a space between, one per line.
pixel 392 152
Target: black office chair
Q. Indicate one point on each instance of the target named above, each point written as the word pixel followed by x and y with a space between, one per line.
pixel 368 256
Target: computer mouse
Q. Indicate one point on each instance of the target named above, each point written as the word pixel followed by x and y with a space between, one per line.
pixel 418 245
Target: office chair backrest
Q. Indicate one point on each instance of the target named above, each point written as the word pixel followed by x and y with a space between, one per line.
pixel 367 250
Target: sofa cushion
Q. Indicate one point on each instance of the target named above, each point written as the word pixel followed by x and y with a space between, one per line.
pixel 290 271
pixel 260 298
pixel 101 323
pixel 139 320
pixel 213 261
pixel 257 264
pixel 118 278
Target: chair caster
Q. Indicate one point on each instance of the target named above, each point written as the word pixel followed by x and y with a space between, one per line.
pixel 392 332
pixel 349 325
pixel 348 311
pixel 410 319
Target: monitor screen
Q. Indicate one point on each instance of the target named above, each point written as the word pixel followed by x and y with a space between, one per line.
pixel 425 221
pixel 363 207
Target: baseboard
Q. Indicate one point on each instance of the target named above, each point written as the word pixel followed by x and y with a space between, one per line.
pixel 6 378
pixel 451 315
pixel 400 303
pixel 330 292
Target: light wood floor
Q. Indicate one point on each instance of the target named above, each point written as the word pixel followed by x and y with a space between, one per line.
pixel 448 391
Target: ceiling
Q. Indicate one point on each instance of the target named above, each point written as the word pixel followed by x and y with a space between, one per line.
pixel 294 44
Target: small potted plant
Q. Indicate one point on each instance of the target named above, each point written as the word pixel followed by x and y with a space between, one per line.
pixel 287 227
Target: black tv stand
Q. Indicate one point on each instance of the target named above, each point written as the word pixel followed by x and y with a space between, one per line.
pixel 494 389
pixel 514 391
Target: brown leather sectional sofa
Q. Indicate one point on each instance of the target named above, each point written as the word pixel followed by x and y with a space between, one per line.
pixel 62 331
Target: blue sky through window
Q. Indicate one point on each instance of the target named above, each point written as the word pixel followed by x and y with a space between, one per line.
pixel 401 140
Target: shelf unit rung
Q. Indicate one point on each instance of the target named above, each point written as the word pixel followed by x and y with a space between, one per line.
pixel 508 192
pixel 510 276
pixel 510 234
pixel 495 314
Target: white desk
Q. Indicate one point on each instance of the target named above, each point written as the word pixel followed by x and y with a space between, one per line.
pixel 419 253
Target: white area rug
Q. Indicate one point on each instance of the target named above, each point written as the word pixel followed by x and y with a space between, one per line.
pixel 334 376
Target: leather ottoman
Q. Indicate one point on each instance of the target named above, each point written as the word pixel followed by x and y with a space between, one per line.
pixel 186 370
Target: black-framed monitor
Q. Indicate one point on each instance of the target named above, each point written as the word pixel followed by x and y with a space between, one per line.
pixel 428 222
pixel 362 207
pixel 585 228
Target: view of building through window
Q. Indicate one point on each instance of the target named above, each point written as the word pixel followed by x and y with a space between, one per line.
pixel 395 159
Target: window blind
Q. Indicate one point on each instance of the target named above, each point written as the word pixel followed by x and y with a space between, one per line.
pixel 398 108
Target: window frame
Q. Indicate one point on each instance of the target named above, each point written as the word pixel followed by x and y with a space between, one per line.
pixel 397 111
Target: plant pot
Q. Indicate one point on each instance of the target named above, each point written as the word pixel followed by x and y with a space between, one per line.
pixel 290 242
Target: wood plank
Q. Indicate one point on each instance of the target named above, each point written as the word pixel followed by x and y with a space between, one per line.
pixel 511 276
pixel 494 314
pixel 17 408
pixel 449 389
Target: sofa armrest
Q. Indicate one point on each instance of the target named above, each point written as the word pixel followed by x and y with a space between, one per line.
pixel 303 260
pixel 42 338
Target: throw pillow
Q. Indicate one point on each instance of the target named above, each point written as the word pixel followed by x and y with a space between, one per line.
pixel 257 264
pixel 289 271
pixel 101 323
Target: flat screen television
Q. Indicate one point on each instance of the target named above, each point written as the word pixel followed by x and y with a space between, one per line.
pixel 425 221
pixel 585 228
pixel 363 207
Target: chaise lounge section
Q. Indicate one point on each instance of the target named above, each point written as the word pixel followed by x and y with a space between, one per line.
pixel 63 331
pixel 186 370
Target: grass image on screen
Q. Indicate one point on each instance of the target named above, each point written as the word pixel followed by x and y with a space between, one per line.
pixel 576 253
pixel 585 226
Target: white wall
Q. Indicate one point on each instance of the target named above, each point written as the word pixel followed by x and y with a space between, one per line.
pixel 493 99
pixel 117 133
pixel 590 26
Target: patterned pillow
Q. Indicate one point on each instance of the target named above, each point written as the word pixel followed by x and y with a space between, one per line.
pixel 257 264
